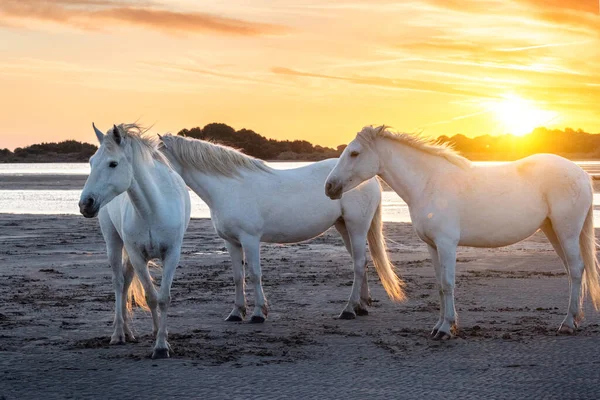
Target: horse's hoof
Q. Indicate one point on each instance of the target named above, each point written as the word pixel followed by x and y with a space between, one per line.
pixel 117 340
pixel 160 353
pixel 433 333
pixel 234 318
pixel 257 319
pixel 441 335
pixel 566 330
pixel 347 315
pixel 362 311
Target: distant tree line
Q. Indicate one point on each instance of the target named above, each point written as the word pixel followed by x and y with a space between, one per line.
pixel 256 145
pixel 67 151
pixel 570 143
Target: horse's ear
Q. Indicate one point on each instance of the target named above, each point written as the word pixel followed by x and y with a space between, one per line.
pixel 163 141
pixel 99 133
pixel 117 134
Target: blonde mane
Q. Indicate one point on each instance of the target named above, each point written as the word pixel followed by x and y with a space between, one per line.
pixel 211 157
pixel 426 145
pixel 141 143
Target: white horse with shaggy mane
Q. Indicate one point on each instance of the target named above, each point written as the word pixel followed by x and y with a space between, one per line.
pixel 455 203
pixel 144 209
pixel 252 203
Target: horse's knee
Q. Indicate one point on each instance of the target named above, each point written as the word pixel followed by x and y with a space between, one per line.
pixel 118 280
pixel 576 275
pixel 254 277
pixel 447 288
pixel 164 300
pixel 238 279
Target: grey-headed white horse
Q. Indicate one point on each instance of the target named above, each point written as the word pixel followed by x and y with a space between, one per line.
pixel 144 209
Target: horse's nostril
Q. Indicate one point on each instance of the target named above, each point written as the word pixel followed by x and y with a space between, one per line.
pixel 328 186
pixel 90 202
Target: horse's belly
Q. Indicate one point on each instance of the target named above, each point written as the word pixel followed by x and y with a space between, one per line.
pixel 298 227
pixel 500 229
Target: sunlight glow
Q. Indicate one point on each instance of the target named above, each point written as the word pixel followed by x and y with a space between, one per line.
pixel 519 116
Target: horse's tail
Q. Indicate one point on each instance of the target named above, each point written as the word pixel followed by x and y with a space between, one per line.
pixel 587 246
pixel 392 284
pixel 136 291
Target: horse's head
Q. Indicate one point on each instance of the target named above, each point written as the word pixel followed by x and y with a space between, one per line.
pixel 111 171
pixel 166 146
pixel 359 162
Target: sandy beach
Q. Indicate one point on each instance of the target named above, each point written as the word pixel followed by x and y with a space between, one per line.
pixel 57 309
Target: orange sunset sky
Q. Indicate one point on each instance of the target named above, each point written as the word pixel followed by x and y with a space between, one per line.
pixel 317 70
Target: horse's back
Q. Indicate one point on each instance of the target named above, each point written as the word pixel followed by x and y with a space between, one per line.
pixel 286 206
pixel 502 204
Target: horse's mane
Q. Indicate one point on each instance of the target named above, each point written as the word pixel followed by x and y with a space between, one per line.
pixel 418 142
pixel 211 157
pixel 141 143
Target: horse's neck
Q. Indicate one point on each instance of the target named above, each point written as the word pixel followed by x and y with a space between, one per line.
pixel 206 186
pixel 406 169
pixel 144 191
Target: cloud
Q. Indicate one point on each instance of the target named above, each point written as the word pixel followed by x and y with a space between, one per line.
pixel 91 14
pixel 401 84
pixel 573 15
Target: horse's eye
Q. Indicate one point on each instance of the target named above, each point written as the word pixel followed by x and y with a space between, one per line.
pixel 113 164
pixel 354 154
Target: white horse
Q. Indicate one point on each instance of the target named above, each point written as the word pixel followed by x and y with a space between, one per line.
pixel 251 203
pixel 144 210
pixel 455 203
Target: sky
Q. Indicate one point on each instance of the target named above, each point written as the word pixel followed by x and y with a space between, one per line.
pixel 317 70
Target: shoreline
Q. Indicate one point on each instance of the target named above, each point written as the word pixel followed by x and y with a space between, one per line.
pixel 74 182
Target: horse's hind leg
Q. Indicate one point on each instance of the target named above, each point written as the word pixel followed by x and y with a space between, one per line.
pixel 355 239
pixel 365 296
pixel 114 248
pixel 566 239
pixel 140 265
pixel 237 261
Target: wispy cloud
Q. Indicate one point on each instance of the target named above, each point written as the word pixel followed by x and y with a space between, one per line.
pixel 400 84
pixel 92 14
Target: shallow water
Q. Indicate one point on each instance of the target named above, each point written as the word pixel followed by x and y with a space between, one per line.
pixel 65 201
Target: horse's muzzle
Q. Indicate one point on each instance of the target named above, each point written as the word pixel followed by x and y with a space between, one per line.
pixel 88 207
pixel 333 190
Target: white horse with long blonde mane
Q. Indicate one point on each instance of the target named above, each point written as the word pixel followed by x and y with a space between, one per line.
pixel 144 209
pixel 454 203
pixel 252 203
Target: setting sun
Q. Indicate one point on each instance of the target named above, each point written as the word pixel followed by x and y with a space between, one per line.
pixel 519 116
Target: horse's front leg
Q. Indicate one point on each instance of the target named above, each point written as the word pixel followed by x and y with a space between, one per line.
pixel 161 347
pixel 116 263
pixel 447 258
pixel 438 276
pixel 237 262
pixel 251 247
pixel 114 249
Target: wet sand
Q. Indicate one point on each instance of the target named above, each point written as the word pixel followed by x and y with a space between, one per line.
pixel 56 310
